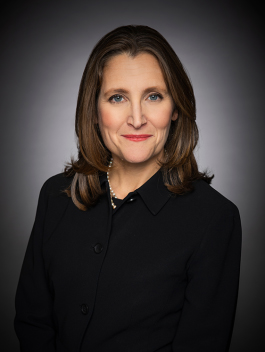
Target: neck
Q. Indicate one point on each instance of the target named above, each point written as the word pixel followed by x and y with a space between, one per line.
pixel 126 177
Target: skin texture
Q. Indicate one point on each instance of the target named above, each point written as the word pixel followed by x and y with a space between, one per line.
pixel 135 111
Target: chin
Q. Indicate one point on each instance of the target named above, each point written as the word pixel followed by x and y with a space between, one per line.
pixel 135 158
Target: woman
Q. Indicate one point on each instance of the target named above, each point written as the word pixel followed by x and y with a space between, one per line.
pixel 131 249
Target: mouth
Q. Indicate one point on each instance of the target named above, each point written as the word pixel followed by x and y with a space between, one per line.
pixel 136 137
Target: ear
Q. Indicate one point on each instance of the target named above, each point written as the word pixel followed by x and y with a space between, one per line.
pixel 174 115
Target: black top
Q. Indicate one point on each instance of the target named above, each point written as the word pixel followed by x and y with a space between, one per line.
pixel 158 273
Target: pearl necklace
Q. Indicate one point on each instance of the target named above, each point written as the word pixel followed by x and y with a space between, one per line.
pixel 112 194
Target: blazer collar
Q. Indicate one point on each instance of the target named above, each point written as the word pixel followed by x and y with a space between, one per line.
pixel 153 192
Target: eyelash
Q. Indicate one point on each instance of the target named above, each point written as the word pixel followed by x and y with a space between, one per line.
pixel 119 95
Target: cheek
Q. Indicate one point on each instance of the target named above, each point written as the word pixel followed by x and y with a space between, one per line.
pixel 163 120
pixel 107 121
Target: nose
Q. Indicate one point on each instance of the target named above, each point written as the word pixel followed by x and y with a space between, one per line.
pixel 136 117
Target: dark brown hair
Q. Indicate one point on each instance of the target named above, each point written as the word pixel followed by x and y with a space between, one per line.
pixel 180 168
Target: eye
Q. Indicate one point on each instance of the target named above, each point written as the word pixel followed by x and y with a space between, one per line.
pixel 156 96
pixel 117 97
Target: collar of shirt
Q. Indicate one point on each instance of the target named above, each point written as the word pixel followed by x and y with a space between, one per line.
pixel 153 192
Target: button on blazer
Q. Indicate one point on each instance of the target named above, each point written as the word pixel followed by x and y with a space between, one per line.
pixel 158 273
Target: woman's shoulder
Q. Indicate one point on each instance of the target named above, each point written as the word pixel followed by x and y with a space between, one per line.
pixel 53 201
pixel 204 206
pixel 53 190
pixel 56 184
pixel 207 198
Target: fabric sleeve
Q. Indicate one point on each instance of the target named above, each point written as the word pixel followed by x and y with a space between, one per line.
pixel 33 321
pixel 208 313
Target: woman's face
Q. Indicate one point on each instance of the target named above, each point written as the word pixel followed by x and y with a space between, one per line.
pixel 134 108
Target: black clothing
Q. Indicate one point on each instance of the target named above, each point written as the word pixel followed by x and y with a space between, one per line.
pixel 158 273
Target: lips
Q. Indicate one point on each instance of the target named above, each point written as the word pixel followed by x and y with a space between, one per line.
pixel 136 137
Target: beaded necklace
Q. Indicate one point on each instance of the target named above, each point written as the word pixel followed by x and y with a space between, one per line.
pixel 112 194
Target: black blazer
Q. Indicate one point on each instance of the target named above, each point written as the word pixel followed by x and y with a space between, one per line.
pixel 160 273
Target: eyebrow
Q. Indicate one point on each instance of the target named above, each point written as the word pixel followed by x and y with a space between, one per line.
pixel 124 91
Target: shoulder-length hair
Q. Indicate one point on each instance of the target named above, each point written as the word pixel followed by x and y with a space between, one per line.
pixel 180 167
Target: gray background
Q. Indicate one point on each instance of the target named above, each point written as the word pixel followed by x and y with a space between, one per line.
pixel 44 49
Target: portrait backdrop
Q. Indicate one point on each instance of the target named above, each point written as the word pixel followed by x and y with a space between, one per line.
pixel 44 49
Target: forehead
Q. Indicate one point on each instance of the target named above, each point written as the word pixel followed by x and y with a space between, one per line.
pixel 142 69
